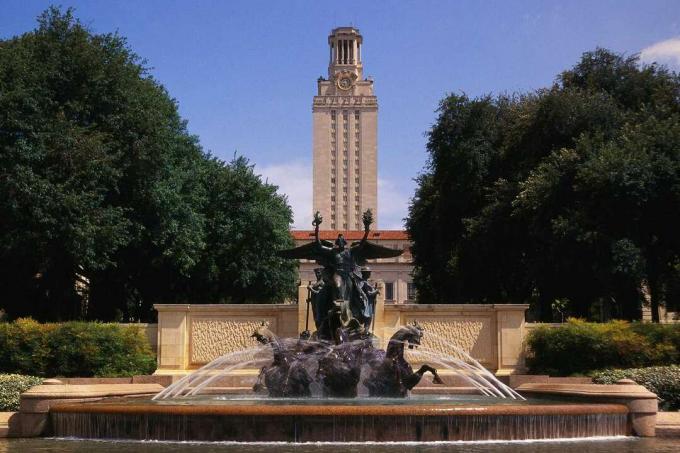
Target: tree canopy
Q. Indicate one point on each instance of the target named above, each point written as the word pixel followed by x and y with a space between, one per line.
pixel 569 193
pixel 107 203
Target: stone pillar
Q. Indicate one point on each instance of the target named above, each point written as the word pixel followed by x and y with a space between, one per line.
pixel 510 334
pixel 302 310
pixel 172 354
pixel 643 411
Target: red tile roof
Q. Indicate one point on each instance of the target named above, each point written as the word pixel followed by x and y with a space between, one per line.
pixel 352 235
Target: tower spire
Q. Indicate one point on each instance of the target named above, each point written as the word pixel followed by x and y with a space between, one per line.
pixel 345 52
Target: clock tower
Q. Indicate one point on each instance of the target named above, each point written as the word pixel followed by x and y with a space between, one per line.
pixel 345 114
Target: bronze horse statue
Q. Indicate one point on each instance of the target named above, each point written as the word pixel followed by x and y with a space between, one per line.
pixel 339 367
pixel 394 376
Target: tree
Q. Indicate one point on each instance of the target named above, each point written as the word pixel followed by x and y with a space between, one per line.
pixel 106 200
pixel 566 193
pixel 246 222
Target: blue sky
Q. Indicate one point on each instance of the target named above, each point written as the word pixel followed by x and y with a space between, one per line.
pixel 244 73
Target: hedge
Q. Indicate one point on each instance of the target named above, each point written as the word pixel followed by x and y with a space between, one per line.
pixel 579 347
pixel 80 349
pixel 662 380
pixel 11 386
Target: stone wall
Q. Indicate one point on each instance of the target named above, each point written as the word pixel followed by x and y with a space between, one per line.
pixel 190 336
pixel 493 334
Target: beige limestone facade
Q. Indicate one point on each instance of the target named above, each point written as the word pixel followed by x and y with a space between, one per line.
pixel 345 135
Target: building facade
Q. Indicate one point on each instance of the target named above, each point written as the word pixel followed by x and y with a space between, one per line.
pixel 345 132
pixel 345 157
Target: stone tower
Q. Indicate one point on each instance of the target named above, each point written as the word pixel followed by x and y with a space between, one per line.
pixel 345 130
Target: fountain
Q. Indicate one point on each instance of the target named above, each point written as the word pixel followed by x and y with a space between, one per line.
pixel 336 384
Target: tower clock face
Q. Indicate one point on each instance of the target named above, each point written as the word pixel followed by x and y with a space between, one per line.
pixel 344 83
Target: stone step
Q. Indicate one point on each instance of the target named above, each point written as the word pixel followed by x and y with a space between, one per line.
pixel 668 424
pixel 667 431
pixel 4 423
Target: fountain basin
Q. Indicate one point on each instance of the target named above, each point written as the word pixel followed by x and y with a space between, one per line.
pixel 363 420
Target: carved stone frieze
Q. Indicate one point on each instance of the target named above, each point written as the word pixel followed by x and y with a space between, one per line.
pixel 328 101
pixel 471 335
pixel 212 337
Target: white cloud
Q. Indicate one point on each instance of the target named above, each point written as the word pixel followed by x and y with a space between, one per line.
pixel 295 181
pixel 663 52
pixel 392 205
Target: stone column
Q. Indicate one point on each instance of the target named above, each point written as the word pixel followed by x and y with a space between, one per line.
pixel 510 329
pixel 302 310
pixel 172 354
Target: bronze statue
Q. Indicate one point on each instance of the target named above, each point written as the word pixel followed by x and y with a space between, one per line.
pixel 341 350
pixel 342 299
pixel 393 376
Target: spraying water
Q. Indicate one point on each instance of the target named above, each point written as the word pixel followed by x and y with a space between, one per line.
pixel 312 368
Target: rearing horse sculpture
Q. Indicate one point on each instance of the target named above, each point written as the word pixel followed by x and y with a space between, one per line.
pixel 394 376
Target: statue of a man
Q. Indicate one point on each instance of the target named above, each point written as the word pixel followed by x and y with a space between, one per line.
pixel 366 316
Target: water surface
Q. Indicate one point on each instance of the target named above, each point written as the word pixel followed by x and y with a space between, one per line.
pixel 620 445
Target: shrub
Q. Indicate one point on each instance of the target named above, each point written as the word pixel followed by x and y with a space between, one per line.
pixel 662 380
pixel 11 386
pixel 82 349
pixel 579 347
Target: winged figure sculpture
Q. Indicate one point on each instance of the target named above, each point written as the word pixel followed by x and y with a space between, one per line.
pixel 343 301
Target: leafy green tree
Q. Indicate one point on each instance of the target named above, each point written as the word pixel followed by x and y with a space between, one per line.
pixel 246 223
pixel 568 193
pixel 107 203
